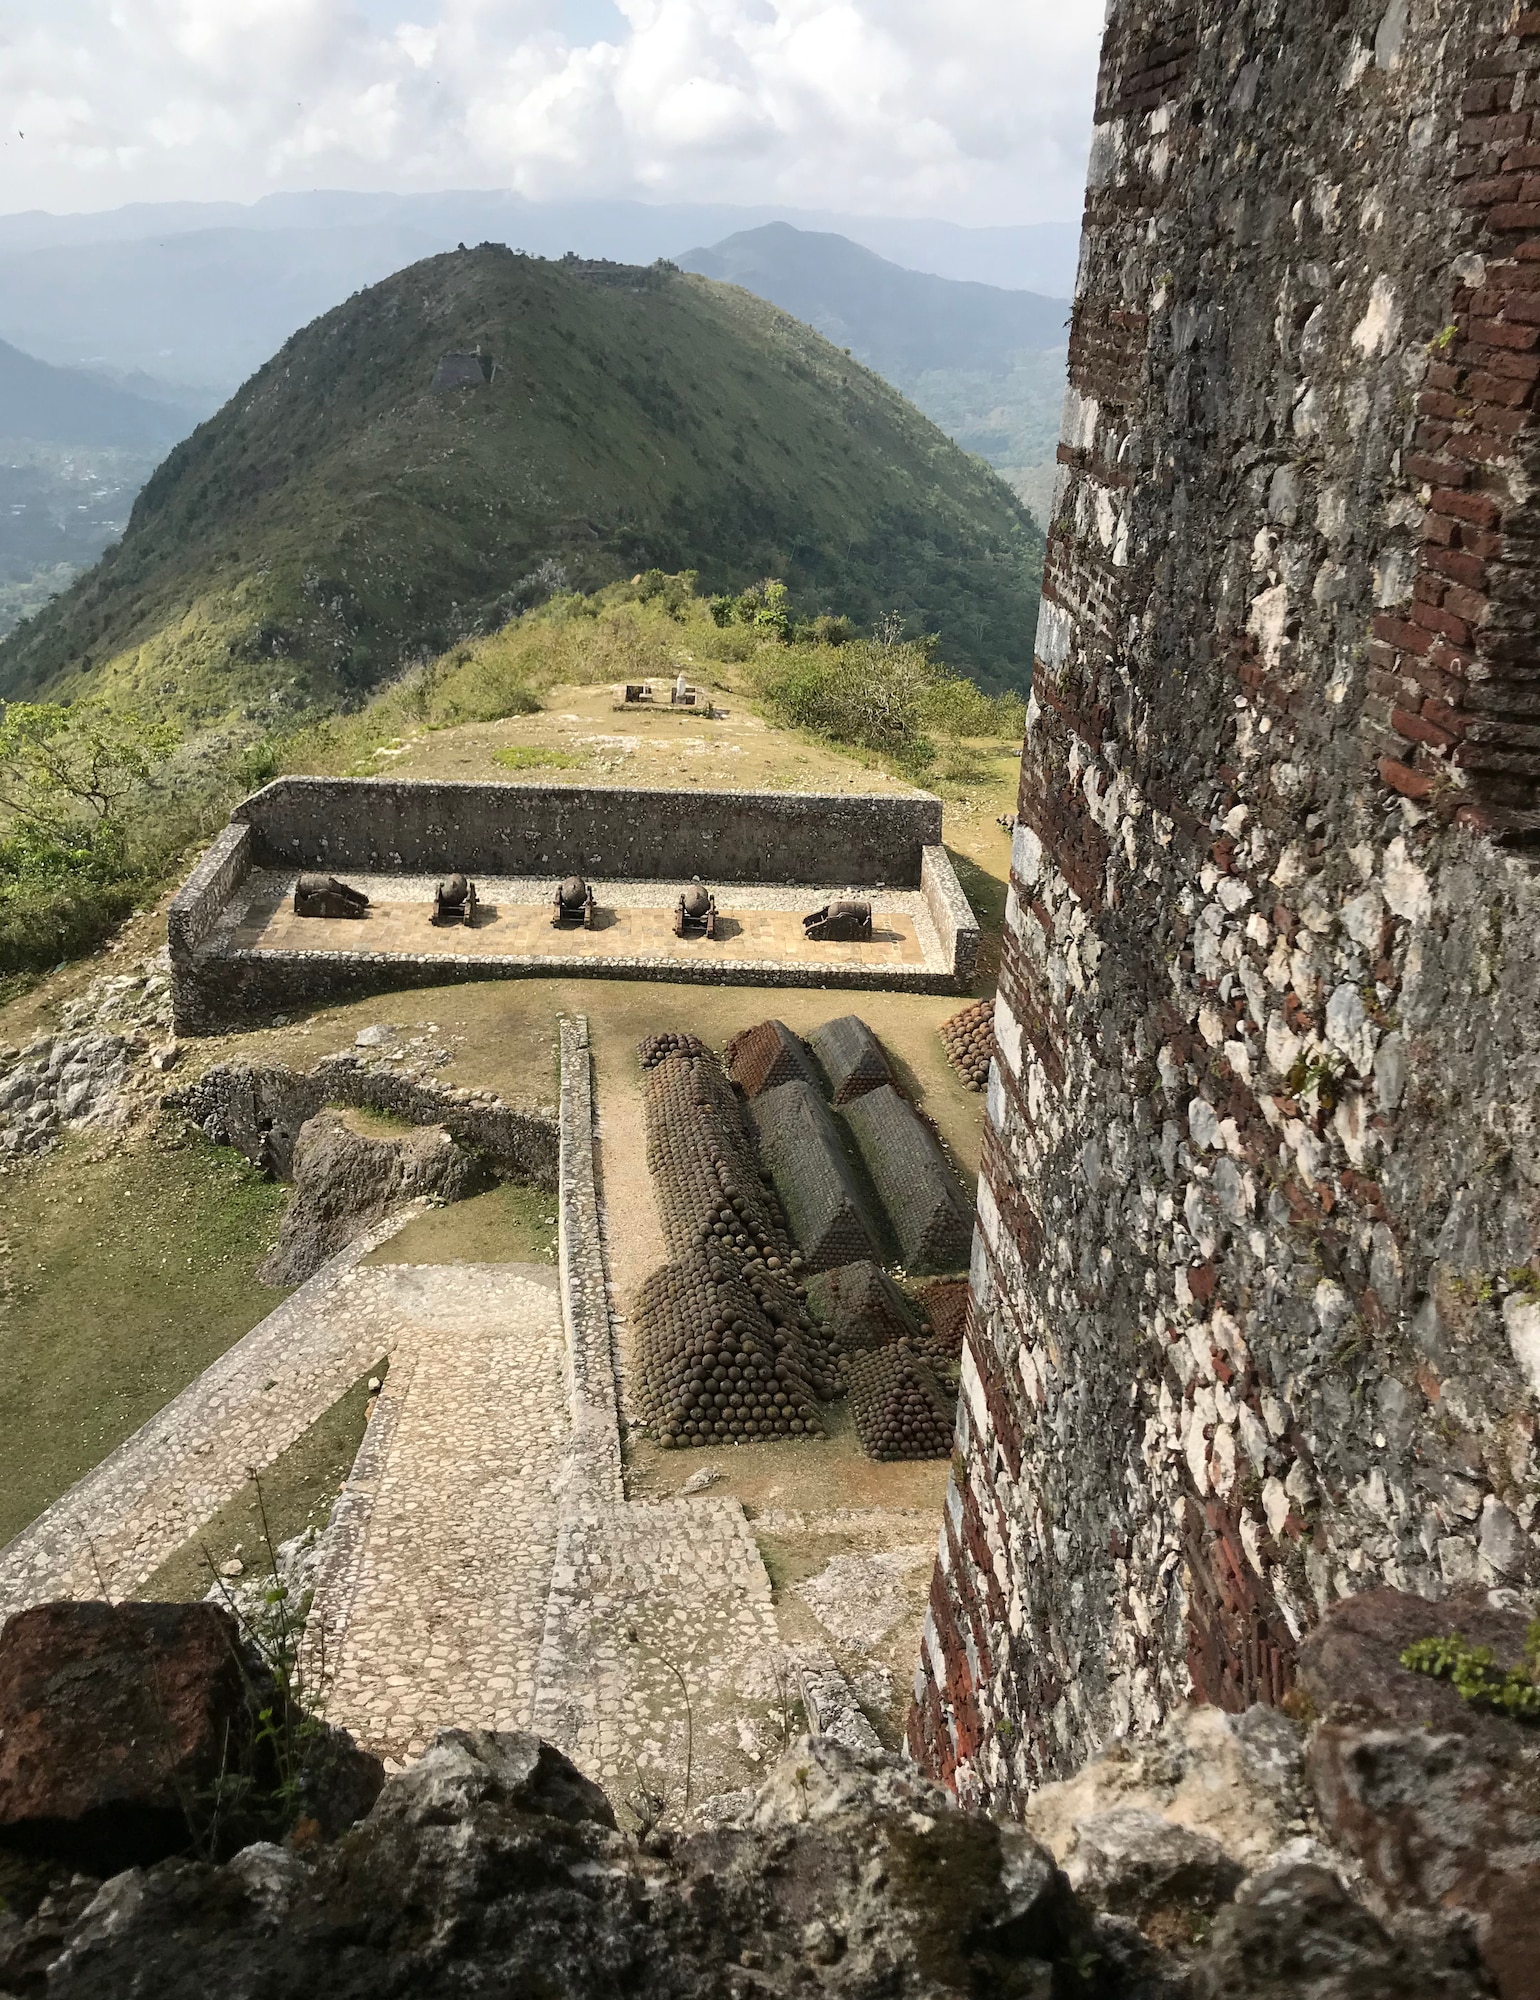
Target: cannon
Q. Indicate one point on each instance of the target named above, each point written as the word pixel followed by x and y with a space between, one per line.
pixel 695 914
pixel 846 921
pixel 574 902
pixel 325 896
pixel 454 901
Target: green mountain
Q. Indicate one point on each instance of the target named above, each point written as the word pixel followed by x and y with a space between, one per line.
pixel 985 363
pixel 341 515
pixel 899 322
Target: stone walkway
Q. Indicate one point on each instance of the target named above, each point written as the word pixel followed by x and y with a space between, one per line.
pixel 440 1600
pixel 118 1524
pixel 661 1647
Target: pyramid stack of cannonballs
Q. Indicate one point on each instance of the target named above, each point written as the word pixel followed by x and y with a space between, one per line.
pixel 725 1347
pixel 714 1368
pixel 767 1054
pixel 859 1307
pixel 969 1041
pixel 899 1410
pixel 944 1303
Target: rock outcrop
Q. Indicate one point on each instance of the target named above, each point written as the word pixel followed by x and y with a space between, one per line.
pixel 345 1179
pixel 493 1868
pixel 1435 1795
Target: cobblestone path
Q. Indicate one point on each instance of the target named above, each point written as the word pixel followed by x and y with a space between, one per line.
pixel 660 1642
pixel 437 1582
pixel 119 1523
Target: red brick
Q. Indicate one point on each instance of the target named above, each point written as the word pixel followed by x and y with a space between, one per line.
pixel 1520 158
pixel 1440 375
pixel 1515 215
pixel 1492 188
pixel 1498 333
pixel 1432 682
pixel 1462 602
pixel 1442 716
pixel 1439 403
pixel 1402 778
pixel 1515 367
pixel 1429 589
pixel 1435 619
pixel 1417 730
pixel 1479 98
pixel 1480 508
pixel 1401 632
pixel 1440 530
pixel 1526 24
pixel 1390 687
pixel 1485 387
pixel 1457 565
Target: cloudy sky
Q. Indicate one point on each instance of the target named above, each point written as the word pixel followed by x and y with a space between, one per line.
pixel 975 110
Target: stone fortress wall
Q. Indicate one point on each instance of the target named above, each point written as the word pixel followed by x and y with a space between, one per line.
pixel 1256 1311
pixel 861 841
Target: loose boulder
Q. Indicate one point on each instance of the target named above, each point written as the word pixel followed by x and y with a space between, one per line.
pixel 131 1731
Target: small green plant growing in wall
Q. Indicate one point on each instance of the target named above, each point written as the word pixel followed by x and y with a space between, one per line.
pixel 1475 1676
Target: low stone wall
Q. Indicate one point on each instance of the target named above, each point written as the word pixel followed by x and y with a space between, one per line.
pixel 226 987
pixel 259 1110
pixel 951 913
pixel 420 826
pixel 865 841
pixel 196 906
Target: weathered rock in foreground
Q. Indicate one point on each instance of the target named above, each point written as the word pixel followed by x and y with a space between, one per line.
pixel 1437 1797
pixel 130 1732
pixel 493 1868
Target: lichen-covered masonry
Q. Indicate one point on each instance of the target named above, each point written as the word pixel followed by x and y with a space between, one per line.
pixel 1256 1314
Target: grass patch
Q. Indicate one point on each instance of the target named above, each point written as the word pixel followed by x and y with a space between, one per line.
pixel 534 757
pixel 124 1278
pixel 509 1224
pixel 298 1489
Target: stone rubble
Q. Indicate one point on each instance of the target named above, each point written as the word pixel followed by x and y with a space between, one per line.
pixel 87 1073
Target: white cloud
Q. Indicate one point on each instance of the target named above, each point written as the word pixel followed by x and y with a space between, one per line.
pixel 976 109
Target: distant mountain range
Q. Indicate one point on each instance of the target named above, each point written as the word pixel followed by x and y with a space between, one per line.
pixel 897 321
pixel 68 406
pixel 341 515
pixel 199 294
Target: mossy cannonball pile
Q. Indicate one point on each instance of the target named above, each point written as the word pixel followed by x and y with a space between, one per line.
pixel 898 1409
pixel 969 1041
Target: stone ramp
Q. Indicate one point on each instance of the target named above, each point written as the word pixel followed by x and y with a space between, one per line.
pixel 660 1638
pixel 119 1523
pixel 438 1558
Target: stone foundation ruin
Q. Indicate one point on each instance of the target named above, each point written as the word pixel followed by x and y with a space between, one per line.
pixel 241 946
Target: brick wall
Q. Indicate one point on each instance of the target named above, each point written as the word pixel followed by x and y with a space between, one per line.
pixel 1256 1315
